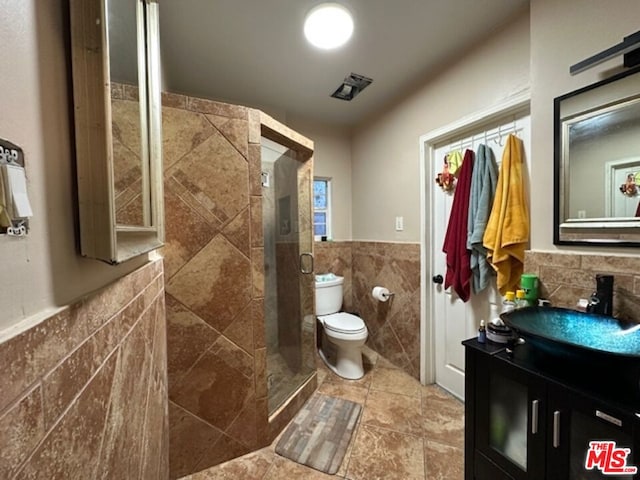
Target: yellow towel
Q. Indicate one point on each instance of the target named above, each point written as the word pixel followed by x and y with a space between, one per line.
pixel 454 159
pixel 507 233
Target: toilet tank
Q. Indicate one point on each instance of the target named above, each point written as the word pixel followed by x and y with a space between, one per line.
pixel 328 293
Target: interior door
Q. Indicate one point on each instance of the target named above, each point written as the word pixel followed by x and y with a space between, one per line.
pixel 624 206
pixel 453 320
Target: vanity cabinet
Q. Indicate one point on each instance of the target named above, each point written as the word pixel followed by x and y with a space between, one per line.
pixel 527 417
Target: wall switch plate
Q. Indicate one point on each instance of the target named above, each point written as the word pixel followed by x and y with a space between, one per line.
pixel 399 224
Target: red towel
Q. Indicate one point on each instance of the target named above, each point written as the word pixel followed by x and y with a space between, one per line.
pixel 455 241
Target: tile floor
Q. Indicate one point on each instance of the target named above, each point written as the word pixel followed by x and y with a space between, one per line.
pixel 406 432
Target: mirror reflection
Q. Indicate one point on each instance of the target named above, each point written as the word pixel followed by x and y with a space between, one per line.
pixel 604 142
pixel 128 110
pixel 597 163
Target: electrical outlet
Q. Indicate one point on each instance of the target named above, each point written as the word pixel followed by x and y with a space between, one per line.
pixel 399 224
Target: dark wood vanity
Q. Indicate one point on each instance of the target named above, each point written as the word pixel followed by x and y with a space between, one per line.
pixel 531 415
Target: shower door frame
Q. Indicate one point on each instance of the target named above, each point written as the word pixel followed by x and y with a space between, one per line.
pixel 303 149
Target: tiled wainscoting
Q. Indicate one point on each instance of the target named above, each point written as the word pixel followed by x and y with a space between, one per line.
pixel 394 326
pixel 84 393
pixel 567 277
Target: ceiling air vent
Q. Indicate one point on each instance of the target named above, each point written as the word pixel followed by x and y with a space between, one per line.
pixel 352 86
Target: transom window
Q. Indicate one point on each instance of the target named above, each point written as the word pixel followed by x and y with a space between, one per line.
pixel 321 208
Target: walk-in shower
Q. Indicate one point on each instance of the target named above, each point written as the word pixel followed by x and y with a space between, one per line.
pixel 288 269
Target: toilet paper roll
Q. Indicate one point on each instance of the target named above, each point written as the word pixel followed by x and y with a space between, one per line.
pixel 380 293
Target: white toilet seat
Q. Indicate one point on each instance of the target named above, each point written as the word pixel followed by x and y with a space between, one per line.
pixel 344 323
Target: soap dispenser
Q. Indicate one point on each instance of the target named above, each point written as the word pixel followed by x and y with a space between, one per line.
pixel 521 300
pixel 509 303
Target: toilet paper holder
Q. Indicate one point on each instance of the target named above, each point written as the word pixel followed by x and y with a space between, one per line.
pixel 381 294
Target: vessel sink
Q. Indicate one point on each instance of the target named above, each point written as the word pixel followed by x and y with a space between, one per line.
pixel 564 331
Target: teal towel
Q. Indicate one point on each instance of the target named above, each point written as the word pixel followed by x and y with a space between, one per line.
pixel 483 190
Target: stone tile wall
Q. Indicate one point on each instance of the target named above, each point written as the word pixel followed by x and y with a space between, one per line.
pixel 567 277
pixel 84 393
pixel 214 257
pixel 394 326
pixel 336 257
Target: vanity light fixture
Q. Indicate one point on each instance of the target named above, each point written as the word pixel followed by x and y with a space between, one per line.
pixel 328 26
pixel 629 47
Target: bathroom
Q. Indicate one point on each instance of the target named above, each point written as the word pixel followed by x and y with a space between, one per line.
pixel 375 172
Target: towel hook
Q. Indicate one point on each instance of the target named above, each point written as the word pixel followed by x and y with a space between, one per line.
pixel 498 139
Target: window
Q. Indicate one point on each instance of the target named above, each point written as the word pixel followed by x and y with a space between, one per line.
pixel 321 207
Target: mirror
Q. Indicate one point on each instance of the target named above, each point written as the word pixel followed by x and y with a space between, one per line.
pixel 127 71
pixel 597 163
pixel 116 77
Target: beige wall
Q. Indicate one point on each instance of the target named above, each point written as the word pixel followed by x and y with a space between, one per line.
pixel 46 271
pixel 43 271
pixel 562 34
pixel 332 159
pixel 533 51
pixel 385 152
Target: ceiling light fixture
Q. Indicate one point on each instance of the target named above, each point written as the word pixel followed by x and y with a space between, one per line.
pixel 328 26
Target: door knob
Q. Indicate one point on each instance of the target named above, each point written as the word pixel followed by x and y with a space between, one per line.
pixel 438 279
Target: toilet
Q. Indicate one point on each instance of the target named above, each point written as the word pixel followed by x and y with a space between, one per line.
pixel 343 334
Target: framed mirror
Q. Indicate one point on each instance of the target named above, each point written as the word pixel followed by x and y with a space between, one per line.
pixel 117 106
pixel 597 163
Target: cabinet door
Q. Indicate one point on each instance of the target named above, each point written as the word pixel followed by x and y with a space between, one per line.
pixel 575 420
pixel 510 419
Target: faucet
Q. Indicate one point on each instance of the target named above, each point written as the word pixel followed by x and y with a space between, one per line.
pixel 601 300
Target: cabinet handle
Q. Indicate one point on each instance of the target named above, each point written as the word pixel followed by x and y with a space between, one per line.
pixel 556 429
pixel 616 421
pixel 534 416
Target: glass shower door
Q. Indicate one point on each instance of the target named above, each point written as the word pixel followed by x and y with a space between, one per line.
pixel 288 266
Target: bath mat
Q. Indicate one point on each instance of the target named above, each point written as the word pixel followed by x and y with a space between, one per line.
pixel 319 434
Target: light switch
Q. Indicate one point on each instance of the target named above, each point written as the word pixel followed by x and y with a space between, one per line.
pixel 399 224
pixel 15 189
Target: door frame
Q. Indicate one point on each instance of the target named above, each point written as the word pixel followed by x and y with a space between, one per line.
pixel 427 145
pixel 610 189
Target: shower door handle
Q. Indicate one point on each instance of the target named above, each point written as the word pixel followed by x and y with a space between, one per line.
pixel 304 270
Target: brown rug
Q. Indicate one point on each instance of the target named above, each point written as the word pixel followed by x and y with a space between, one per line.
pixel 319 434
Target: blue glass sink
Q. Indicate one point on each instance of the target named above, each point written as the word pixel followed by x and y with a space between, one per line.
pixel 560 330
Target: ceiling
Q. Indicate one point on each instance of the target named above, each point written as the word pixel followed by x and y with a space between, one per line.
pixel 253 52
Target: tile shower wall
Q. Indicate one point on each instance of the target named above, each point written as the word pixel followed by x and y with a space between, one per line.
pixel 394 326
pixel 214 257
pixel 84 393
pixel 565 278
pixel 214 283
